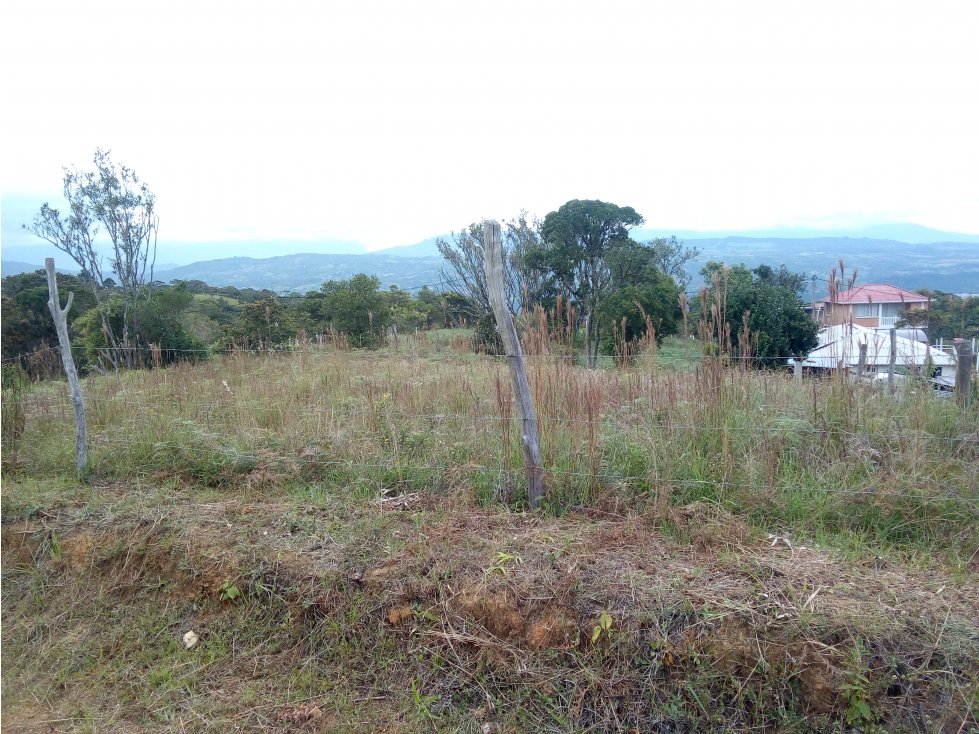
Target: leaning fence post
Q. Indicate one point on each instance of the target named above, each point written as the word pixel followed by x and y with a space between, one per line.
pixel 892 361
pixel 60 316
pixel 963 372
pixel 493 261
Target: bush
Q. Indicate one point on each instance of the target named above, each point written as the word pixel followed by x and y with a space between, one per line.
pixel 486 338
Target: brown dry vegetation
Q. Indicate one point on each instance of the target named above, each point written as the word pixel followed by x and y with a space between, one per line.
pixel 766 556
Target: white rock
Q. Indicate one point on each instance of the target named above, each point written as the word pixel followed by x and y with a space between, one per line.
pixel 190 639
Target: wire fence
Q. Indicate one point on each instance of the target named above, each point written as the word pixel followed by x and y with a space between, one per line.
pixel 695 354
pixel 619 422
pixel 176 417
pixel 215 437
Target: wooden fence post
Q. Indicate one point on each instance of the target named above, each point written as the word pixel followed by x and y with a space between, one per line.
pixel 963 372
pixel 862 360
pixel 892 361
pixel 493 262
pixel 60 316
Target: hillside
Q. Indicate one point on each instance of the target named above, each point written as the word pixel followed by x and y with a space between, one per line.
pixel 945 266
pixel 16 267
pixel 307 271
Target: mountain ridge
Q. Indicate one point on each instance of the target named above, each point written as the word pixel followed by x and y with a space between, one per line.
pixel 948 265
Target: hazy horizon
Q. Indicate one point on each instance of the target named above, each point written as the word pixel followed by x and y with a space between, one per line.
pixel 388 123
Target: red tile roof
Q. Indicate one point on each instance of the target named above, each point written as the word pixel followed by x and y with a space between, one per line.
pixel 879 293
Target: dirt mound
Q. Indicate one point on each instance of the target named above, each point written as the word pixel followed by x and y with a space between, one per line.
pixel 478 610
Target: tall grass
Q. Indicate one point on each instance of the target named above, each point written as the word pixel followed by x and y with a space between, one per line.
pixel 826 458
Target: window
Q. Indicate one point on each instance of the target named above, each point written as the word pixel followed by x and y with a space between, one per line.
pixel 894 309
pixel 865 310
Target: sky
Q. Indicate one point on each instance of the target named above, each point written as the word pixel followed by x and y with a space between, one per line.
pixel 389 122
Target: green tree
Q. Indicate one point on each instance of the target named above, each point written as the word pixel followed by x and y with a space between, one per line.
pixel 640 290
pixel 354 307
pixel 26 322
pixel 407 311
pixel 946 317
pixel 265 324
pixel 778 326
pixel 572 260
pixel 161 319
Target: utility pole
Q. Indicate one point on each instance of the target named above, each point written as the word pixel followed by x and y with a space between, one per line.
pixel 814 296
pixel 963 372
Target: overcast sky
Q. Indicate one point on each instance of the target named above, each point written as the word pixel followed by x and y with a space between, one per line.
pixel 389 122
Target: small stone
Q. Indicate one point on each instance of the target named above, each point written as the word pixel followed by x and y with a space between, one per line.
pixel 190 639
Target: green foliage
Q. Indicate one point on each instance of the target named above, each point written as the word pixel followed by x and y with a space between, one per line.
pixel 242 295
pixel 229 591
pixel 354 307
pixel 641 290
pixel 265 324
pixel 108 200
pixel 572 260
pixel 502 563
pixel 153 322
pixel 946 317
pixel 486 339
pixel 604 626
pixel 26 321
pixel 15 383
pixel 778 326
pixel 408 312
pixel 856 689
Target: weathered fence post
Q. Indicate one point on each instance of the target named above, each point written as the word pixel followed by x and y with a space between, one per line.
pixel 493 261
pixel 60 316
pixel 892 361
pixel 963 372
pixel 862 360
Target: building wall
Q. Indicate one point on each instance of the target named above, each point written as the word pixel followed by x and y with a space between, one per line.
pixel 838 313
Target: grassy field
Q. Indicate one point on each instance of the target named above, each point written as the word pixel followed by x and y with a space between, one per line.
pixel 721 550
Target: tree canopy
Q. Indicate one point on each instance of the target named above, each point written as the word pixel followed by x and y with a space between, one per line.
pixel 764 300
pixel 572 260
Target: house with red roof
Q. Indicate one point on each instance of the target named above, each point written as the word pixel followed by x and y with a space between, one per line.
pixel 874 305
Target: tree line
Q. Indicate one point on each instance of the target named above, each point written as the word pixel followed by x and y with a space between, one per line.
pixel 579 263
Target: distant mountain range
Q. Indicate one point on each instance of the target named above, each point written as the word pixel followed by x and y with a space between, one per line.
pixel 949 264
pixel 307 271
pixel 16 267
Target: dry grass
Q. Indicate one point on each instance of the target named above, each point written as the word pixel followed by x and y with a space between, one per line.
pixel 723 550
pixel 825 458
pixel 355 617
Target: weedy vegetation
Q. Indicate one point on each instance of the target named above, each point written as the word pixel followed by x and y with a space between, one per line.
pixel 722 549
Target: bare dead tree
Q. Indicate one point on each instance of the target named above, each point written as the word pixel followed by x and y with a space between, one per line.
pixel 465 270
pixel 672 256
pixel 60 316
